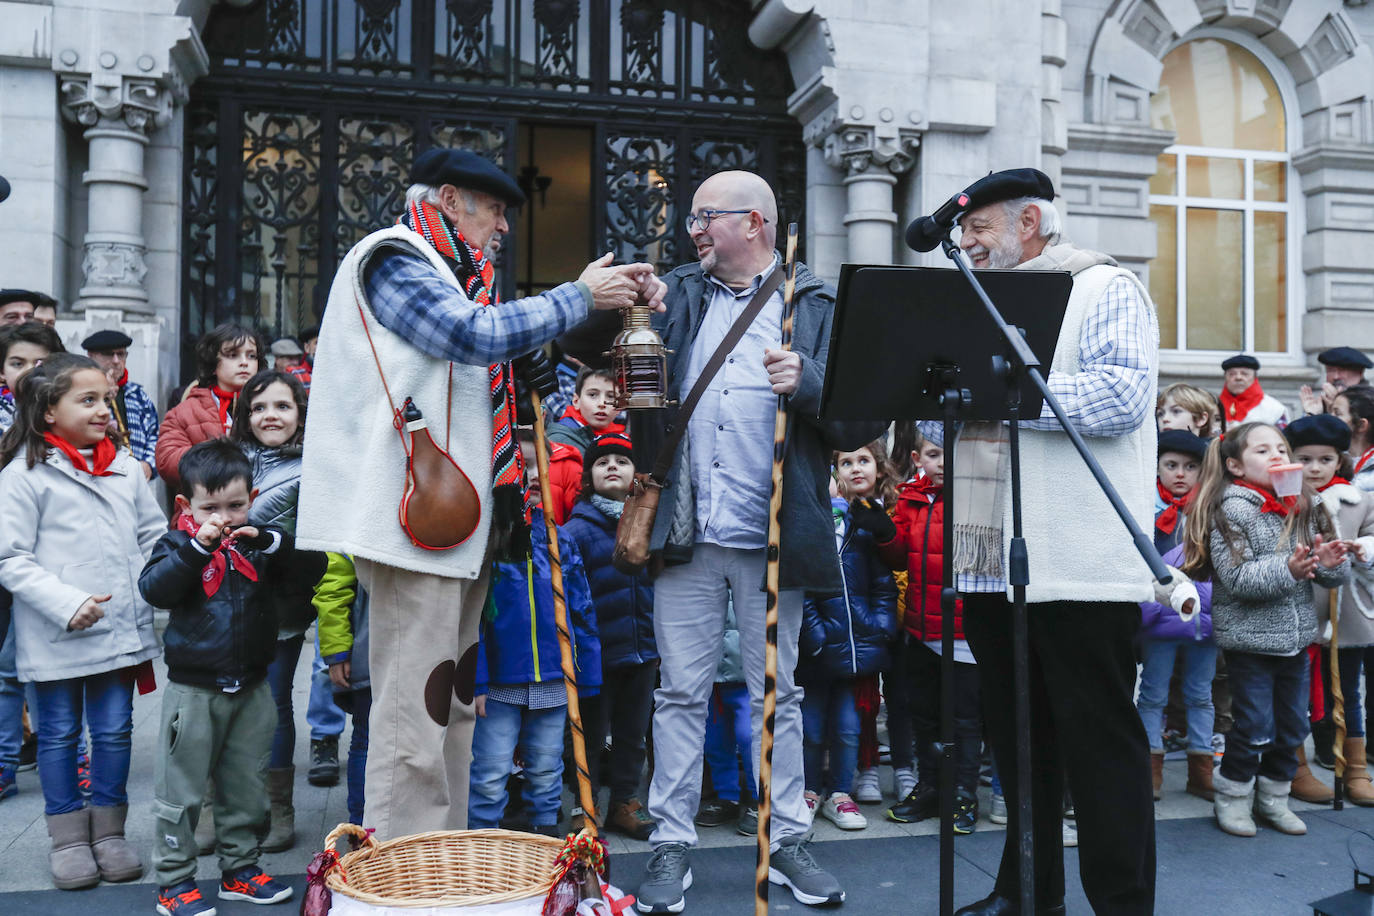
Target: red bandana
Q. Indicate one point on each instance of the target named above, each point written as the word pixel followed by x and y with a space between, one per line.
pixel 1331 483
pixel 922 489
pixel 611 429
pixel 225 400
pixel 1364 459
pixel 1271 502
pixel 104 455
pixel 123 379
pixel 1238 406
pixel 214 571
pixel 1167 520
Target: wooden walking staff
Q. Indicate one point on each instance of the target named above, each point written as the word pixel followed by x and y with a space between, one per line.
pixel 770 652
pixel 1337 703
pixel 565 647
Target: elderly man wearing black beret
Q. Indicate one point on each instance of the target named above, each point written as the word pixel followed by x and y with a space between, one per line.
pixel 134 412
pixel 413 317
pixel 1344 368
pixel 1086 578
pixel 1243 399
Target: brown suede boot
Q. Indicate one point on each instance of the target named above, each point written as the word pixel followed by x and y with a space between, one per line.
pixel 1307 787
pixel 113 854
pixel 1358 786
pixel 629 817
pixel 1157 771
pixel 71 861
pixel 1200 775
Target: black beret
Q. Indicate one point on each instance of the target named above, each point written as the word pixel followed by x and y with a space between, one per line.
pixel 1346 357
pixel 1008 185
pixel 1319 429
pixel 1241 361
pixel 108 339
pixel 26 295
pixel 465 169
pixel 1183 442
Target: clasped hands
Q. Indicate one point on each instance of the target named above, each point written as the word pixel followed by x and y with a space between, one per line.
pixel 1304 560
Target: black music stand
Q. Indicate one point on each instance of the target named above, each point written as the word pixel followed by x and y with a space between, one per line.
pixel 964 362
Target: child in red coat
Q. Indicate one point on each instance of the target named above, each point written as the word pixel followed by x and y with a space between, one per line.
pixel 917 546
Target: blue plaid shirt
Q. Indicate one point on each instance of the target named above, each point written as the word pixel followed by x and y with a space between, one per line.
pixel 410 299
pixel 1109 395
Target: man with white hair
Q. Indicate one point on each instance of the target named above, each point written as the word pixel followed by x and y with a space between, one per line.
pixel 413 317
pixel 1085 575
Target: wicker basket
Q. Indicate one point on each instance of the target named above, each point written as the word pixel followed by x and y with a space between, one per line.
pixel 442 869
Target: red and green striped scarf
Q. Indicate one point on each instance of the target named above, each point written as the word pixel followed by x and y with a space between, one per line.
pixel 476 275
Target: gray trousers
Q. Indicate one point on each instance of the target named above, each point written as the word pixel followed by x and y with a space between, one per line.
pixel 689 626
pixel 209 735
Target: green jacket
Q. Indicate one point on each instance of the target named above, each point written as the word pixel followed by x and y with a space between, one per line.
pixel 341 604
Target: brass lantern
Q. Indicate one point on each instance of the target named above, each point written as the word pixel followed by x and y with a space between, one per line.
pixel 640 362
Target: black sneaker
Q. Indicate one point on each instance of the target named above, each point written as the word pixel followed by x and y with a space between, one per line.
pixel 324 762
pixel 921 803
pixel 965 813
pixel 716 812
pixel 183 899
pixel 252 884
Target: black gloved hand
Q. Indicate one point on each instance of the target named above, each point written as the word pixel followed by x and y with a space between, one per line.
pixel 534 372
pixel 870 516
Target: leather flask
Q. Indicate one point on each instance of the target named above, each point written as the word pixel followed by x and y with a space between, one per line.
pixel 440 508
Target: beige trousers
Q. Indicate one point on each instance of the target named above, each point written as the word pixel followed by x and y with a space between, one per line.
pixel 423 656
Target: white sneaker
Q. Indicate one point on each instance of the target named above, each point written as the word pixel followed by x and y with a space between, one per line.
pixel 840 810
pixel 905 781
pixel 813 801
pixel 866 788
pixel 998 814
pixel 1070 834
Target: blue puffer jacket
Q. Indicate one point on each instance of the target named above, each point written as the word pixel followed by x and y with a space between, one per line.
pixel 849 634
pixel 519 645
pixel 624 604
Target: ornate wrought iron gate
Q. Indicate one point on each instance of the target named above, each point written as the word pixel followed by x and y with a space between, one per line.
pixel 300 140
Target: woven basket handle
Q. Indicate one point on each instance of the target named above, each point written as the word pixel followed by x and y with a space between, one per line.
pixel 352 830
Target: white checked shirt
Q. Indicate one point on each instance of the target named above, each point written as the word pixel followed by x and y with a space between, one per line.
pixel 1109 395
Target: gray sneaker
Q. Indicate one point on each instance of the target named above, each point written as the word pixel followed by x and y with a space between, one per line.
pixel 666 879
pixel 791 866
pixel 748 823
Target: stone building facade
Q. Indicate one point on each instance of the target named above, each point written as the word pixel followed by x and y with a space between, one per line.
pixel 894 105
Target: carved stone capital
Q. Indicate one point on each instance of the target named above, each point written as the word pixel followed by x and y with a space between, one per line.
pixel 140 104
pixel 856 148
pixel 116 265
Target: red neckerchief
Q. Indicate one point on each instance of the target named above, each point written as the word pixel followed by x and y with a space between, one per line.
pixel 612 428
pixel 1167 520
pixel 104 456
pixel 1364 459
pixel 1271 502
pixel 922 489
pixel 224 400
pixel 213 574
pixel 1331 483
pixel 123 379
pixel 1238 406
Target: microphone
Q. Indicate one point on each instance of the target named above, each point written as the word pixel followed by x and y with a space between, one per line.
pixel 4 188
pixel 925 234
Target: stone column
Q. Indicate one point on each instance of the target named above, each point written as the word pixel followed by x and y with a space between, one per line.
pixel 118 112
pixel 871 163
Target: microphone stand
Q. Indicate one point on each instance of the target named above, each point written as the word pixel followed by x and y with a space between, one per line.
pixel 1017 362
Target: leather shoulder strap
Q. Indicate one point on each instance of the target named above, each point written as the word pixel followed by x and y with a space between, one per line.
pixel 732 337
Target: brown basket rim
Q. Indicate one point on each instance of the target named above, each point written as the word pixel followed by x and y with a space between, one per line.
pixel 371 847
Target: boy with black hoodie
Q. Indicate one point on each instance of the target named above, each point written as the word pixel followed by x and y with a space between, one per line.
pixel 218 714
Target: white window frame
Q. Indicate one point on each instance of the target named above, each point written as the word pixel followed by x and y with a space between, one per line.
pixel 1181 355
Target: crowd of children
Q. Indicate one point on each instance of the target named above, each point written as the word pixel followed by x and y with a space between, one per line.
pixel 1267 577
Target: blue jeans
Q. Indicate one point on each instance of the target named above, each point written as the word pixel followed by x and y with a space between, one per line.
pixel 11 703
pixel 357 754
pixel 108 701
pixel 830 722
pixel 1353 661
pixel 537 734
pixel 1269 695
pixel 1199 667
pixel 729 740
pixel 323 716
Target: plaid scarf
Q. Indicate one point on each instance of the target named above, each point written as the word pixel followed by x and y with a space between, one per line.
pixel 476 275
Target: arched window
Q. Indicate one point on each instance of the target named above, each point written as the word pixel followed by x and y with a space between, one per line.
pixel 1221 202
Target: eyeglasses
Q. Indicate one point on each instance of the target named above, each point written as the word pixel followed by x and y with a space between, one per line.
pixel 703 219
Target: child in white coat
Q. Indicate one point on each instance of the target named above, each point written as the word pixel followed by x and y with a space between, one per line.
pixel 77 523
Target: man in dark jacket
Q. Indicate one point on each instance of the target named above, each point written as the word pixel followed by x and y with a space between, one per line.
pixel 218 715
pixel 711 528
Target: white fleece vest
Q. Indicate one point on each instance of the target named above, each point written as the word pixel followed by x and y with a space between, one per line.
pixel 353 470
pixel 1078 548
